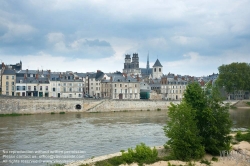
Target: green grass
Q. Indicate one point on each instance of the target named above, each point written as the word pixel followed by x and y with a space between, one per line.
pixel 12 114
pixel 158 109
pixel 52 113
pixel 248 103
pixel 61 112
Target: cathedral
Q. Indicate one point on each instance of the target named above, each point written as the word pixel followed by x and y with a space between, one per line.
pixel 132 67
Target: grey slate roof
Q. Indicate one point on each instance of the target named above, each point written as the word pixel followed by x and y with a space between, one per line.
pixel 157 64
pixel 9 72
pixel 32 80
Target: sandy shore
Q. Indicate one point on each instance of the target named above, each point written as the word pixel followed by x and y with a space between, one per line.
pixel 240 156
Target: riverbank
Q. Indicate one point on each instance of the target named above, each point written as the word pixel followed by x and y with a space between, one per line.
pixel 240 156
pixel 35 105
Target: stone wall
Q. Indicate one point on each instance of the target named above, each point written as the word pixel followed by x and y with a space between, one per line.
pixel 126 105
pixel 35 105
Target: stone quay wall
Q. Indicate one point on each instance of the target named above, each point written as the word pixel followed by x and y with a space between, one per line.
pixel 33 105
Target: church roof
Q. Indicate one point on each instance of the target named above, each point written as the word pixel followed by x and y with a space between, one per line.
pixel 157 64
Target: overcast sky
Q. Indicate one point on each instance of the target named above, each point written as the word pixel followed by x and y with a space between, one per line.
pixel 191 37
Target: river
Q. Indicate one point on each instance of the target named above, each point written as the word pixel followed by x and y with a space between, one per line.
pixel 87 134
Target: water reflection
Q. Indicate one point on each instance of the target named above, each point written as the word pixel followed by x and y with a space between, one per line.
pixel 95 133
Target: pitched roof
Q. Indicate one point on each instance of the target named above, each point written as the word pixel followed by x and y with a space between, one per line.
pixel 157 64
pixel 9 72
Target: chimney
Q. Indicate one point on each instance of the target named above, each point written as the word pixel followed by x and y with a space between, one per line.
pixel 111 79
pixel 27 70
pixel 36 76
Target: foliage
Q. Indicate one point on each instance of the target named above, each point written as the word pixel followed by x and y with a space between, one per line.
pixel 214 159
pixel 182 130
pixel 141 154
pixel 235 76
pixel 248 103
pixel 213 120
pixel 56 164
pixel 243 137
pixel 200 122
pixel 204 161
pixel 61 112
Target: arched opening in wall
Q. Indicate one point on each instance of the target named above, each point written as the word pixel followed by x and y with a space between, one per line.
pixel 78 107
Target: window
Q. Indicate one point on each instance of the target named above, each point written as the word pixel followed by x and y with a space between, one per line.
pixel 159 69
pixel 70 89
pixel 70 95
pixel 13 88
pixel 23 88
pixel 18 88
pixel 53 89
pixel 64 84
pixel 96 88
pixel 13 77
pixel 41 88
pixel 115 90
pixel 7 77
pixel 80 89
pixel 135 85
pixel 7 88
pixel 64 89
pixel 29 87
pixel 70 84
pixel 120 85
pixel 7 83
pixel 91 83
pixel 79 95
pixel 34 87
pixel 58 84
pixel 96 83
pixel 115 85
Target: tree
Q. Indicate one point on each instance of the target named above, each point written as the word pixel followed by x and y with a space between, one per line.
pixel 213 120
pixel 203 113
pixel 234 77
pixel 182 130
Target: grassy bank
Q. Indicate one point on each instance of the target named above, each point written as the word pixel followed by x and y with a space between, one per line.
pixel 12 114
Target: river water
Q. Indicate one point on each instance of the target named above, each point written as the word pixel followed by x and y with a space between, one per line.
pixel 86 134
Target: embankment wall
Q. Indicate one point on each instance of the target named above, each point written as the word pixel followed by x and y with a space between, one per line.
pixel 34 105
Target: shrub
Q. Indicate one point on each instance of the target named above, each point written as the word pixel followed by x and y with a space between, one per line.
pixel 214 159
pixel 242 137
pixel 204 161
pixel 61 112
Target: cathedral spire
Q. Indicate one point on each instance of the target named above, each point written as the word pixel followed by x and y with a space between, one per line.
pixel 148 64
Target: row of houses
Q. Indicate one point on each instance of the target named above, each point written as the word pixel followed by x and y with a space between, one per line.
pixel 148 84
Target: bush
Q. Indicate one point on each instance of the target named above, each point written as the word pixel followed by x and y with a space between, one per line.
pixel 242 137
pixel 141 154
pixel 204 161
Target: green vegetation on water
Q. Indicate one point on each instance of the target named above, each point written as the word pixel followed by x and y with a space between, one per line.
pixel 12 114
